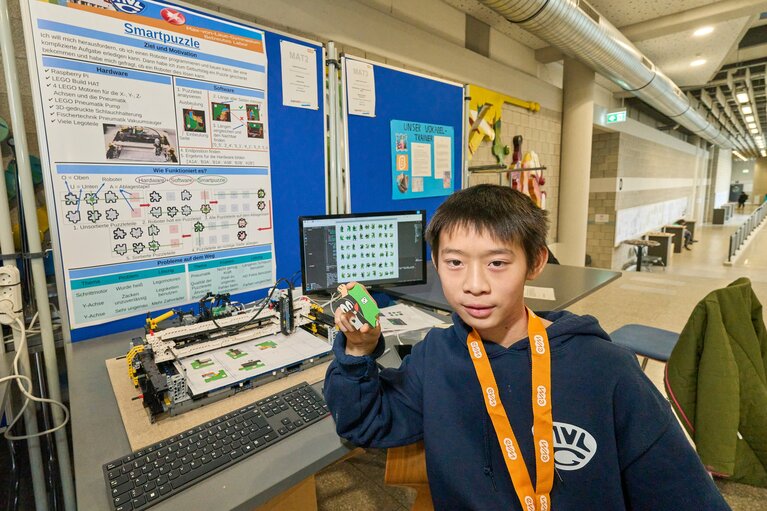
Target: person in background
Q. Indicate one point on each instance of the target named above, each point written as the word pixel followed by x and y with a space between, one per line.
pixel 686 234
pixel 742 198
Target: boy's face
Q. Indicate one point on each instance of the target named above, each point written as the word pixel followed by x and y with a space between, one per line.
pixel 483 280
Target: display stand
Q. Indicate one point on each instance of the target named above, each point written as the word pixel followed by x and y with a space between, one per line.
pixel 719 216
pixel 663 250
pixel 678 232
pixel 690 224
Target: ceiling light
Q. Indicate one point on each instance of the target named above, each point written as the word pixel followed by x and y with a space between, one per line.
pixel 745 171
pixel 749 118
pixel 736 153
pixel 703 31
pixel 746 109
pixel 742 97
pixel 752 125
pixel 697 62
pixel 764 153
pixel 754 131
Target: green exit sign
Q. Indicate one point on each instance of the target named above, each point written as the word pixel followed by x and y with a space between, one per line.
pixel 619 116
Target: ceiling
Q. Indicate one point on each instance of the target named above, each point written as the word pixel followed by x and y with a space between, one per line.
pixel 735 51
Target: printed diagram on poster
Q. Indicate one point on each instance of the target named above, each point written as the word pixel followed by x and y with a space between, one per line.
pixel 422 160
pixel 149 212
pixel 157 148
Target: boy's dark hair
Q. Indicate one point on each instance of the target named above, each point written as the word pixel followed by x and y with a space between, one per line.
pixel 506 214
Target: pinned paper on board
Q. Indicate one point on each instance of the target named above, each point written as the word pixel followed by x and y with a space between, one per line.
pixel 360 88
pixel 299 75
pixel 422 160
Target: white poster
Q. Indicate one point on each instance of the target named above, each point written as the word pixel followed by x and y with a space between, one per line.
pixel 156 131
pixel 360 88
pixel 227 366
pixel 299 75
pixel 443 157
pixel 421 164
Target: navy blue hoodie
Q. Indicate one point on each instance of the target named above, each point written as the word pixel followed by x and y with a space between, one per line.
pixel 617 444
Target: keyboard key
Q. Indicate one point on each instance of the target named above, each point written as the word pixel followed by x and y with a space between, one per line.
pixel 120 500
pixel 122 488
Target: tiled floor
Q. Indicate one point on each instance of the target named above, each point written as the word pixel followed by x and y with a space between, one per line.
pixel 663 298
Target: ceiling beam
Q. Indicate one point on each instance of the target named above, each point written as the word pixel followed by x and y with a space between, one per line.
pixel 674 23
pixel 692 19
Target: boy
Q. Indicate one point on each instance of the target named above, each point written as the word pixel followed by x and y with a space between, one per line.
pixel 595 434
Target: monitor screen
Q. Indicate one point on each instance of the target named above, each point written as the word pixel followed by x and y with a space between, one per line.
pixel 375 249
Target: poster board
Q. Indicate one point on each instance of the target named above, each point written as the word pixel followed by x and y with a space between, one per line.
pixel 170 157
pixel 400 99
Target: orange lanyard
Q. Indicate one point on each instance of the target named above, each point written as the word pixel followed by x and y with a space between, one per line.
pixel 532 499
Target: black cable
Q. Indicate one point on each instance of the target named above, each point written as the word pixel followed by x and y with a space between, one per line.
pixel 293 277
pixel 234 329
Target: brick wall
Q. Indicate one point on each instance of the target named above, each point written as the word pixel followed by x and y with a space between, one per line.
pixel 631 173
pixel 541 132
pixel 604 165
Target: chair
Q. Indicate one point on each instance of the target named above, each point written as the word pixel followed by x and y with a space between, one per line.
pixel 406 466
pixel 646 341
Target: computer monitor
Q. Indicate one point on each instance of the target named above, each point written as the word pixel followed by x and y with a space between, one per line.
pixel 375 249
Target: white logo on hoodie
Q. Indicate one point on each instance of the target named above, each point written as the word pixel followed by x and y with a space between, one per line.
pixel 574 447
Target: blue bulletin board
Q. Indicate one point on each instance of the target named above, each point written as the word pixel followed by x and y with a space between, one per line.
pixel 297 145
pixel 402 99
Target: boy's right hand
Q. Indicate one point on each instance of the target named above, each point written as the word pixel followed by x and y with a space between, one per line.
pixel 358 342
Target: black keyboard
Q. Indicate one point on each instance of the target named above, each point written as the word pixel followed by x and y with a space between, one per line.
pixel 150 475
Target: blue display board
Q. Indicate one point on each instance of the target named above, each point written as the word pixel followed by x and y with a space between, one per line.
pixel 297 144
pixel 400 96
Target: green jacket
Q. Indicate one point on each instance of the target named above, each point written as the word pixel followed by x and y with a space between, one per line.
pixel 716 381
